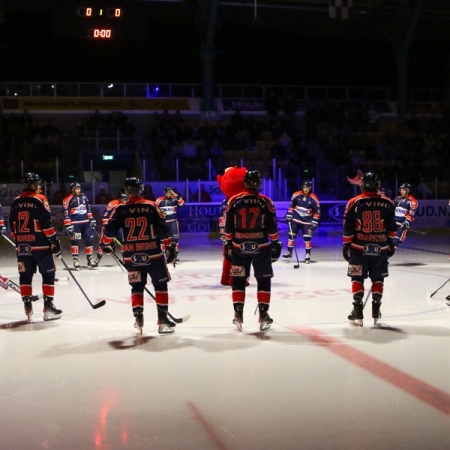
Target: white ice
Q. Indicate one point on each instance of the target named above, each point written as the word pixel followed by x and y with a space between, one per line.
pixel 313 381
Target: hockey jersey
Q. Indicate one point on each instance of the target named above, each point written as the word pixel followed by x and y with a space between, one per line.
pixel 369 222
pixel 304 208
pixel 77 210
pixel 405 209
pixel 250 221
pixel 169 206
pixel 144 228
pixel 110 207
pixel 31 222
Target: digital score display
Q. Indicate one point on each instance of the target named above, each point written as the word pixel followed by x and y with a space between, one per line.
pixel 100 20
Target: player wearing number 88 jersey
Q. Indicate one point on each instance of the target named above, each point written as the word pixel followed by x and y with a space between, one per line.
pixel 369 230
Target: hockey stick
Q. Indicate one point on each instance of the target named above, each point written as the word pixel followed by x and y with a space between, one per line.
pixel 6 283
pixel 438 289
pixel 419 232
pixel 296 266
pixel 94 306
pixel 367 297
pixel 176 320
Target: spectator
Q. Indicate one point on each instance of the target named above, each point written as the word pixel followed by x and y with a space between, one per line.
pixel 103 197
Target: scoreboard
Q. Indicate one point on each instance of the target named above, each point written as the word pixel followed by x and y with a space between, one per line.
pixel 99 20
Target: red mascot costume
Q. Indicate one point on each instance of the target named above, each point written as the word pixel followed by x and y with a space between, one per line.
pixel 230 183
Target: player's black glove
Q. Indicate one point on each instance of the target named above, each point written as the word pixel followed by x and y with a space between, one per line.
pixel 275 250
pixel 70 229
pixel 2 231
pixel 391 250
pixel 289 217
pixel 92 223
pixel 108 248
pixel 171 253
pixel 314 224
pixel 55 247
pixel 346 252
pixel 229 251
pixel 406 224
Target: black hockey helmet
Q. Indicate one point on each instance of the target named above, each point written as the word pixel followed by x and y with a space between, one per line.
pixel 405 186
pixel 74 186
pixel 167 189
pixel 253 180
pixel 30 179
pixel 370 182
pixel 133 185
pixel 307 183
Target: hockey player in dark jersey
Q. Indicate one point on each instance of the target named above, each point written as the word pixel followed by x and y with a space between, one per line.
pixel 303 217
pixel 80 224
pixel 110 207
pixel 405 210
pixel 169 204
pixel 369 230
pixel 36 243
pixel 144 229
pixel 251 232
pixel 2 223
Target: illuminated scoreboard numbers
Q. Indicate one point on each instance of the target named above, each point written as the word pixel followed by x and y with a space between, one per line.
pixel 85 11
pixel 114 12
pixel 100 33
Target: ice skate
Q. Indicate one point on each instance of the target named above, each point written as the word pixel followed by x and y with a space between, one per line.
pixel 307 258
pixel 165 325
pixel 376 313
pixel 238 315
pixel 356 316
pixel 28 306
pixel 265 321
pixel 92 263
pixel 288 254
pixel 76 263
pixel 50 312
pixel 139 317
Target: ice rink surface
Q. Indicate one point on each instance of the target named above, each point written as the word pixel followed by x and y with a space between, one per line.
pixel 313 381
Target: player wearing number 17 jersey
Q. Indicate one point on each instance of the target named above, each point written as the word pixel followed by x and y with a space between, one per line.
pixel 251 234
pixel 369 230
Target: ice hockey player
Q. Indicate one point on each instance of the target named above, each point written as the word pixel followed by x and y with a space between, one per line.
pixel 169 204
pixel 369 230
pixel 302 217
pixel 2 223
pixel 80 224
pixel 405 210
pixel 110 207
pixel 144 229
pixel 36 244
pixel 251 233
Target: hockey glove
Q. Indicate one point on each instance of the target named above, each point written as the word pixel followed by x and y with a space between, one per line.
pixel 406 224
pixel 314 224
pixel 3 231
pixel 275 250
pixel 171 254
pixel 108 248
pixel 70 229
pixel 228 251
pixel 92 224
pixel 391 250
pixel 289 217
pixel 346 252
pixel 55 247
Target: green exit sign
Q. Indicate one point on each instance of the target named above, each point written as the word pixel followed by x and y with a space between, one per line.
pixel 108 157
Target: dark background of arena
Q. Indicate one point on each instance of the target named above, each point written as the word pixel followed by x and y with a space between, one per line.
pixel 292 42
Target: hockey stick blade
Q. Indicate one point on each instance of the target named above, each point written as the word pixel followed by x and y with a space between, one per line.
pixel 438 289
pixel 181 320
pixel 94 306
pixel 62 279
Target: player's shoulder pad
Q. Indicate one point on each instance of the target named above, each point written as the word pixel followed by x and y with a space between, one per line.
pixel 296 194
